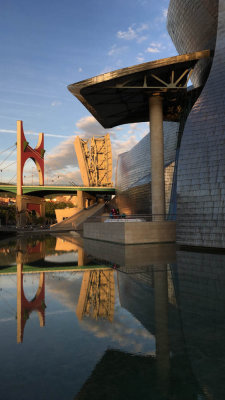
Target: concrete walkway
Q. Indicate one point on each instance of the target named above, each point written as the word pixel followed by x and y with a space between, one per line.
pixel 76 221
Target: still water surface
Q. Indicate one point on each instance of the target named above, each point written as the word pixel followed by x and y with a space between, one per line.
pixel 81 319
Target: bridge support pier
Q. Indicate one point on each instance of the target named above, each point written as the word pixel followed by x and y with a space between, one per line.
pixel 85 200
pixel 26 204
pixel 80 199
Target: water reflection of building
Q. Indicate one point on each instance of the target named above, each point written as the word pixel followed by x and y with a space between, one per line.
pixel 133 258
pixel 69 243
pixel 30 250
pixel 201 279
pixel 97 295
pixel 26 307
pixel 183 305
pixel 168 374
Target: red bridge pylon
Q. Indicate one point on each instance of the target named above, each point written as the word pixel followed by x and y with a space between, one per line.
pixel 24 151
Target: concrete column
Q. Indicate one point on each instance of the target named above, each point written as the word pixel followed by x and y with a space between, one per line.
pixel 80 199
pixel 20 215
pixel 157 157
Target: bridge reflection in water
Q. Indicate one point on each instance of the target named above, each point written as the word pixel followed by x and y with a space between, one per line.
pixel 146 290
pixel 177 296
pixel 26 307
pixel 97 295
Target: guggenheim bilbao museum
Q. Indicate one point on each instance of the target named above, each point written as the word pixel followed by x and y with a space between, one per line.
pixel 177 171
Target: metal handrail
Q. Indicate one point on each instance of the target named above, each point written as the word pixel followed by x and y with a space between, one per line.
pixel 179 218
pixel 130 217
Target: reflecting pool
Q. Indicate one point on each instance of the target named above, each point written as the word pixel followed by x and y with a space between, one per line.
pixel 83 319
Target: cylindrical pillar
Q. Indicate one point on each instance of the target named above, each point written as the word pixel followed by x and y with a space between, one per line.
pixel 157 157
pixel 161 326
pixel 80 199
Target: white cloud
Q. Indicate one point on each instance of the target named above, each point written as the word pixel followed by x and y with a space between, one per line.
pixel 155 47
pixel 7 131
pixel 130 34
pixel 139 129
pixel 156 44
pixel 152 50
pixel 80 69
pixel 34 133
pixel 116 50
pixel 143 27
pixel 65 178
pixel 125 331
pixel 165 12
pixel 142 39
pixel 162 17
pixel 56 103
pixel 121 146
pixel 134 32
pixel 89 127
pixel 140 58
pixel 62 157
pixel 143 3
pixel 133 128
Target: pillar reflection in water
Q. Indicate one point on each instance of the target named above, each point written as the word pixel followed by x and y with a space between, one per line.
pixel 161 325
pixel 68 243
pixel 82 257
pixel 97 295
pixel 25 307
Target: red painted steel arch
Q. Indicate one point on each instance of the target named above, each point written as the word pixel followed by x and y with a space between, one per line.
pixel 25 151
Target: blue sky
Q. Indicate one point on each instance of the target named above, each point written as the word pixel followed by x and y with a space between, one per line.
pixel 46 45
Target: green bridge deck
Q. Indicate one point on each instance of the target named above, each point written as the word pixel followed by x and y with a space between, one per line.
pixel 42 191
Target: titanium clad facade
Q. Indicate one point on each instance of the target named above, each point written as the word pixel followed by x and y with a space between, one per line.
pixel 201 166
pixel 192 25
pixel 133 175
pixel 194 162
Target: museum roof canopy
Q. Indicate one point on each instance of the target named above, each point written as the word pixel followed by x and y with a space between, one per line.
pixel 121 96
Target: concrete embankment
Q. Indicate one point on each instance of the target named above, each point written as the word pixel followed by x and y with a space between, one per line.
pixel 77 220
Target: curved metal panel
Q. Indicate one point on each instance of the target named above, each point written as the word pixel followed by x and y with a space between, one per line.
pixel 201 166
pixel 192 25
pixel 134 172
